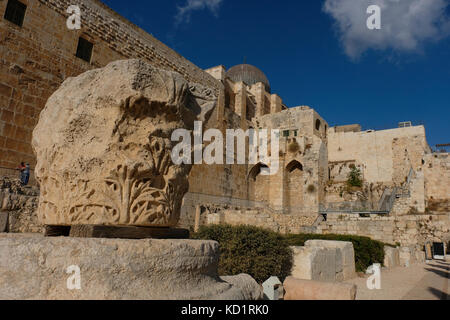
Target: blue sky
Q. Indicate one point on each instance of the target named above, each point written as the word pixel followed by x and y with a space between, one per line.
pixel 321 54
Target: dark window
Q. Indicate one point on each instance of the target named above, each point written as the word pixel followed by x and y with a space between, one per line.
pixel 15 12
pixel 286 133
pixel 84 50
pixel 318 124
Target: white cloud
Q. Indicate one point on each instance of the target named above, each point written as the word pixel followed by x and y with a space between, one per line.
pixel 405 24
pixel 184 12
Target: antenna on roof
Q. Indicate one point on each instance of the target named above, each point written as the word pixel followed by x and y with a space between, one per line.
pixel 245 60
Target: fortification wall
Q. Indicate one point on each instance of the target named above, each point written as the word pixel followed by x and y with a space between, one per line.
pixel 37 57
pixel 437 176
pixel 386 156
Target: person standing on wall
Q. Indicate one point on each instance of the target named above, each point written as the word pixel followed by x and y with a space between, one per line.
pixel 24 173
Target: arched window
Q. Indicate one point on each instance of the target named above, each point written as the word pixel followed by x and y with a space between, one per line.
pixel 294 165
pixel 318 124
pixel 256 170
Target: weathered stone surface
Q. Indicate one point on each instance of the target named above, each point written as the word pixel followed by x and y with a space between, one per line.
pixel 103 146
pixel 407 230
pixel 297 289
pixel 391 257
pixel 315 263
pixel 273 289
pixel 34 267
pixel 250 288
pixel 3 221
pixel 20 204
pixel 407 256
pixel 345 257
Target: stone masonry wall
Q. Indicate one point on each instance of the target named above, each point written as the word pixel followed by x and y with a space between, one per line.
pixel 281 223
pixel 406 230
pixel 386 156
pixel 19 204
pixel 37 57
pixel 437 176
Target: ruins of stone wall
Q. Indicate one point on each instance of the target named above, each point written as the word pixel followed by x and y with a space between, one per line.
pixel 37 57
pixel 19 204
pixel 340 195
pixel 408 152
pixel 276 222
pixel 437 176
pixel 340 170
pixel 405 230
pixel 386 155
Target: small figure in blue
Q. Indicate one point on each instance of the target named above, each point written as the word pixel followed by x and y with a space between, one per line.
pixel 24 173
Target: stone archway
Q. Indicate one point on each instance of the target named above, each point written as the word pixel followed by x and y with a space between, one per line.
pixel 294 187
pixel 258 184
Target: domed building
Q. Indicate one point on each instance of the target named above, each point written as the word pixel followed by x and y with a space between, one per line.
pixel 248 74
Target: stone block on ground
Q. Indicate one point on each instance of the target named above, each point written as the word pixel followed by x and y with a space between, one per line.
pixel 345 256
pixel 33 267
pixel 315 263
pixel 297 289
pixel 407 256
pixel 273 289
pixel 391 257
pixel 420 256
pixel 250 288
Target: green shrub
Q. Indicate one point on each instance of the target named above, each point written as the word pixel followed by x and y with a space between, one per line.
pixel 354 178
pixel 246 249
pixel 367 251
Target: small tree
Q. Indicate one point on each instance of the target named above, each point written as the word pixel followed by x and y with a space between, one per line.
pixel 354 178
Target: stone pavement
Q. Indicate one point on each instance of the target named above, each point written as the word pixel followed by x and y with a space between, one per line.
pixel 418 282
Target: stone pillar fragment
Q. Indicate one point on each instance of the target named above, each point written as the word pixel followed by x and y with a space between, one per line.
pixel 104 146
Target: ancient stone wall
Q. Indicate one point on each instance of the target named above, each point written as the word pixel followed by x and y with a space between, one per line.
pixel 437 177
pixel 281 223
pixel 37 57
pixel 404 230
pixel 386 156
pixel 19 205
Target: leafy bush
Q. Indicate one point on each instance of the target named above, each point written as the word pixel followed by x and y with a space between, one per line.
pixel 367 251
pixel 354 178
pixel 246 249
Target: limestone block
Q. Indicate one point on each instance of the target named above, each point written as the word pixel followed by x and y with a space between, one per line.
pixel 391 257
pixel 315 263
pixel 407 256
pixel 297 289
pixel 345 257
pixel 420 256
pixel 103 146
pixel 34 267
pixel 273 289
pixel 250 288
